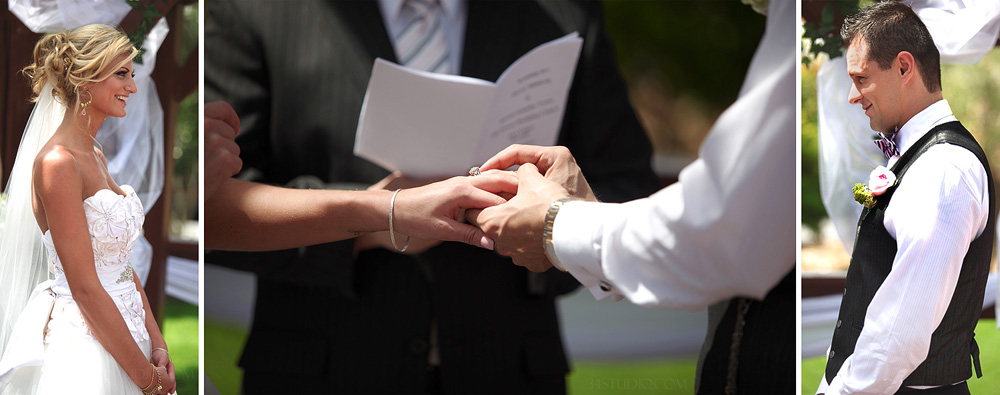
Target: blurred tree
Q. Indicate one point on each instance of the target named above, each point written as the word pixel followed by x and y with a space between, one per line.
pixel 973 92
pixel 695 47
pixel 684 62
pixel 813 211
pixel 185 183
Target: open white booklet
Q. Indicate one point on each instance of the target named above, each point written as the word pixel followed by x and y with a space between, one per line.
pixel 430 125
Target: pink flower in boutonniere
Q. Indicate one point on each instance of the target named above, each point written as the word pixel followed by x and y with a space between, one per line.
pixel 880 180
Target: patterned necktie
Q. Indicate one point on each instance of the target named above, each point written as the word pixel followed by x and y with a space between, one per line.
pixel 421 44
pixel 887 145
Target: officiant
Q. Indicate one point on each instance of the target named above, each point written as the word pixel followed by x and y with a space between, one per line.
pixel 357 316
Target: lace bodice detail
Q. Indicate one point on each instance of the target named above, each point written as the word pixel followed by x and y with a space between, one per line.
pixel 114 223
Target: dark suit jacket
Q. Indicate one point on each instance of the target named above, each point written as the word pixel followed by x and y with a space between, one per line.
pixel 326 320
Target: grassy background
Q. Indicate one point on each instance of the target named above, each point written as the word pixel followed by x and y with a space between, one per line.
pixel 987 336
pixel 223 343
pixel 180 331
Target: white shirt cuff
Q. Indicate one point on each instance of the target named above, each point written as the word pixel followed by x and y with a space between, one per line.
pixel 576 236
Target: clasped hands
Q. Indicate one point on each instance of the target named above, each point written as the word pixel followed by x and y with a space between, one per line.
pixel 505 209
pixel 160 358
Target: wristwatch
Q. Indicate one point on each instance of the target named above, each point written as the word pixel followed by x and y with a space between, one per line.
pixel 550 220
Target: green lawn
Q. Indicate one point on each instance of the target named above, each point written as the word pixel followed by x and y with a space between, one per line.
pixel 989 342
pixel 180 331
pixel 223 344
pixel 674 376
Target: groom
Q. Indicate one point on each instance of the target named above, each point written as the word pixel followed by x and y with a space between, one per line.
pixel 915 285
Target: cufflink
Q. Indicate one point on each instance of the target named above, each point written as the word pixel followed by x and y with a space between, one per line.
pixel 605 286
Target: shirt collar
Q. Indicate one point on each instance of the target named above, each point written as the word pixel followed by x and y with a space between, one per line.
pixel 925 120
pixel 392 8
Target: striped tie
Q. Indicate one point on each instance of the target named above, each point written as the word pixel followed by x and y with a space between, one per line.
pixel 887 144
pixel 421 44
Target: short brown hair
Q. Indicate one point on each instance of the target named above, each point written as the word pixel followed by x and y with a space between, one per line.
pixel 891 27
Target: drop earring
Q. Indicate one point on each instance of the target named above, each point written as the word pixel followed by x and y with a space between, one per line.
pixel 83 105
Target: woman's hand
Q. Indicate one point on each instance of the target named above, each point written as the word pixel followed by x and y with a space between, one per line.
pixel 435 211
pixel 161 358
pixel 369 241
pixel 222 154
pixel 167 383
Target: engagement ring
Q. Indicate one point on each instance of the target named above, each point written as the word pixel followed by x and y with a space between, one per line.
pixel 474 171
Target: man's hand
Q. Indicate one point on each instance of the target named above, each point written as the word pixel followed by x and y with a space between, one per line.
pixel 516 226
pixel 556 163
pixel 222 154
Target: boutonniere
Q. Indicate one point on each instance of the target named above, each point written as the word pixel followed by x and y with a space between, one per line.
pixel 879 181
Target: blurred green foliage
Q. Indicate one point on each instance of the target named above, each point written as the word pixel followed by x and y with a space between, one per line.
pixel 697 48
pixel 184 202
pixel 973 91
pixel 150 15
pixel 823 35
pixel 191 30
pixel 813 211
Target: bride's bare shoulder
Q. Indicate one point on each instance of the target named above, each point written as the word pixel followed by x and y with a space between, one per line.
pixel 55 169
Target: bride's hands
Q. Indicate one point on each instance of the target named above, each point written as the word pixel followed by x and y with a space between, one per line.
pixel 435 211
pixel 167 379
pixel 167 383
pixel 162 360
pixel 368 241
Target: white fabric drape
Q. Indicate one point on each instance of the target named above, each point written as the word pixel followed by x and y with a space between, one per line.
pixel 46 16
pixel 963 30
pixel 133 144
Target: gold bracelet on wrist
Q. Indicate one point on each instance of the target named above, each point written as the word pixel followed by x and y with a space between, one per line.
pixel 152 378
pixel 155 388
pixel 547 245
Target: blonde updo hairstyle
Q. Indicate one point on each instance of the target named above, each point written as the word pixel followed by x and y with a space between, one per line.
pixel 73 59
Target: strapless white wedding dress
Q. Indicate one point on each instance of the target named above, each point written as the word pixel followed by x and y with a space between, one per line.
pixel 52 350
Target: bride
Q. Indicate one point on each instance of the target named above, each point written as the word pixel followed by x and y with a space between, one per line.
pixel 89 329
